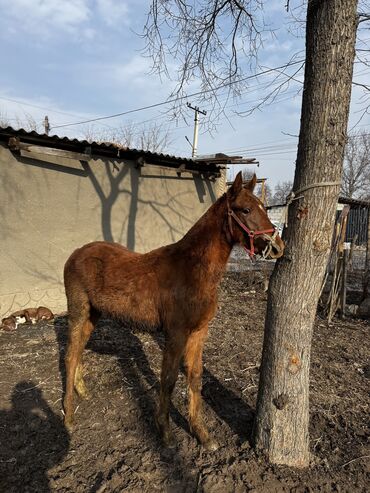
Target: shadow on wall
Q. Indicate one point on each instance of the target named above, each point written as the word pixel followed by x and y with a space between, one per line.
pixel 210 191
pixel 174 210
pixel 108 200
pixel 33 439
pixel 117 174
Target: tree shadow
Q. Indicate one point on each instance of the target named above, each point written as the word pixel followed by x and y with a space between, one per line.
pixel 117 174
pixel 134 175
pixel 228 406
pixel 107 200
pixel 32 440
pixel 199 187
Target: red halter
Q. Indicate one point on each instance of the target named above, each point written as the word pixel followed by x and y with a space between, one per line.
pixel 251 234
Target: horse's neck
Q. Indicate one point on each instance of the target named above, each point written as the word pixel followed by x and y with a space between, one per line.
pixel 207 239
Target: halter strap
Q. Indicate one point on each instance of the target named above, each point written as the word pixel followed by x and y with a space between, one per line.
pixel 251 234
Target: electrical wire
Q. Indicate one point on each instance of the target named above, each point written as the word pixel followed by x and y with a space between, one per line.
pixel 180 98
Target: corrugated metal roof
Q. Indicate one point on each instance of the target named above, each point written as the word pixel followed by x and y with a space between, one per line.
pixel 341 200
pixel 354 202
pixel 108 149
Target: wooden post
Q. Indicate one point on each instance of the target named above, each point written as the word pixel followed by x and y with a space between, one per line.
pixel 263 192
pixel 367 264
pixel 342 238
pixel 46 125
pixel 344 281
pixel 334 299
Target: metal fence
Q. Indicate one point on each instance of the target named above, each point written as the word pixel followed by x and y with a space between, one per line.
pixel 357 224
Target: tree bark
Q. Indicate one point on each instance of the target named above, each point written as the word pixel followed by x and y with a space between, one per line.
pixel 281 425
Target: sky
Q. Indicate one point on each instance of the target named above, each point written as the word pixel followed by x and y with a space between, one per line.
pixel 81 59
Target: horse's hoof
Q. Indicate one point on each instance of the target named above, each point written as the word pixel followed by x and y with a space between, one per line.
pixel 210 445
pixel 83 393
pixel 81 388
pixel 69 424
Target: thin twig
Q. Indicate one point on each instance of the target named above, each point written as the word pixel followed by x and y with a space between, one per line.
pixel 353 460
pixel 34 387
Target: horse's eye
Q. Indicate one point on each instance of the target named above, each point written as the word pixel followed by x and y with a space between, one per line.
pixel 246 210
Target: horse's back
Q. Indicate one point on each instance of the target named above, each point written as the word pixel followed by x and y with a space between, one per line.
pixel 100 248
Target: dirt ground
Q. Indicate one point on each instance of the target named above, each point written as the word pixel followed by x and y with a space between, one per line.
pixel 115 446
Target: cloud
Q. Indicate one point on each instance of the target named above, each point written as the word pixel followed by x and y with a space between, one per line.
pixel 113 13
pixel 45 16
pixel 135 70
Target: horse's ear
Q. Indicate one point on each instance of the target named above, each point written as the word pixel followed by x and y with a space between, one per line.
pixel 250 185
pixel 237 186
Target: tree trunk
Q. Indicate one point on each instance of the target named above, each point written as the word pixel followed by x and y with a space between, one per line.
pixel 281 425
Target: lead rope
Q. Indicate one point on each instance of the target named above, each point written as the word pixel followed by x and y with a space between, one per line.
pixel 295 195
pixel 270 243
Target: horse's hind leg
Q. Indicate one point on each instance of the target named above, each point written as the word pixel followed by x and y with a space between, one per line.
pixel 87 328
pixel 80 328
pixel 193 363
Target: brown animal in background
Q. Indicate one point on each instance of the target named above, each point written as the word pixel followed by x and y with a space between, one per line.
pixel 27 315
pixel 9 323
pixel 173 288
pixel 34 315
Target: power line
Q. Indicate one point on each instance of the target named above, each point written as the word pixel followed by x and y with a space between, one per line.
pixel 260 145
pixel 257 86
pixel 284 147
pixel 365 71
pixel 180 98
pixel 37 107
pixel 174 129
pixel 50 110
pixel 267 149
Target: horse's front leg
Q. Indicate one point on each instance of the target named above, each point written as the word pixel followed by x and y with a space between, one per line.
pixel 173 352
pixel 194 370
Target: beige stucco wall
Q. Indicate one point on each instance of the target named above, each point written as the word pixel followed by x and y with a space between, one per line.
pixel 51 206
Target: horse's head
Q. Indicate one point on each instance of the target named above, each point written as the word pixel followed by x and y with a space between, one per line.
pixel 248 223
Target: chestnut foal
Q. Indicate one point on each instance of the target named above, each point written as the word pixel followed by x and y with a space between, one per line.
pixel 173 287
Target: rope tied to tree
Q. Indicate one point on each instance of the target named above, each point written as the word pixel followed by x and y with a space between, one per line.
pixel 296 195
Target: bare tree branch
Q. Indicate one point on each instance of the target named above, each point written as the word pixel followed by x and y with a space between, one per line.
pixel 154 137
pixel 356 171
pixel 206 39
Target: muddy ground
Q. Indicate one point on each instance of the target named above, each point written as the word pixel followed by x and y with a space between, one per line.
pixel 115 445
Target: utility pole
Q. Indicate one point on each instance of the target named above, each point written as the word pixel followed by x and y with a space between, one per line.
pixel 46 125
pixel 196 121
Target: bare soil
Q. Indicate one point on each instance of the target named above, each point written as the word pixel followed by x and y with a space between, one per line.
pixel 115 446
